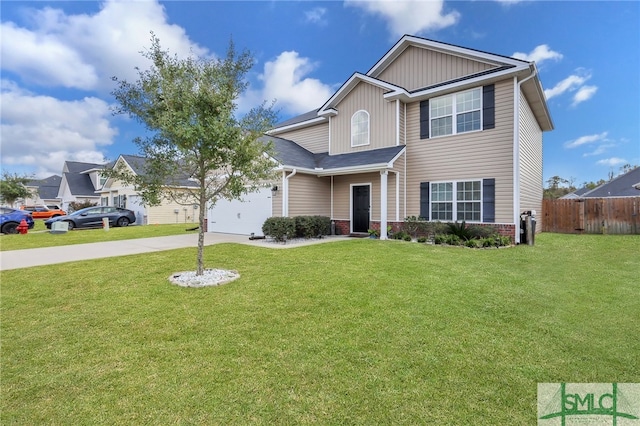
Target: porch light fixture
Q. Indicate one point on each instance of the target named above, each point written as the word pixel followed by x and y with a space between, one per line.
pixel 274 189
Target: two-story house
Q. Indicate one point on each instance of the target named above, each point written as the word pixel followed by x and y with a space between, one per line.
pixel 433 130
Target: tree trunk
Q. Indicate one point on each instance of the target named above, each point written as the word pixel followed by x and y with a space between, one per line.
pixel 201 216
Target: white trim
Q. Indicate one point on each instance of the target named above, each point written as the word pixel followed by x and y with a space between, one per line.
pixel 368 128
pixel 516 152
pixel 454 201
pixel 455 113
pixel 397 196
pixel 406 97
pixel 285 212
pixel 331 197
pixel 397 122
pixel 329 150
pixel 328 110
pixel 384 174
pixel 407 41
pixel 296 126
pixel 351 202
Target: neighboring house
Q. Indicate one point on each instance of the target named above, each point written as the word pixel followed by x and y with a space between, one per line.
pixel 578 193
pixel 432 129
pixel 119 194
pixel 626 185
pixel 79 183
pixel 45 191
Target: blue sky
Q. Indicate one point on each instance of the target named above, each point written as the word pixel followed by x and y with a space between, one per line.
pixel 57 59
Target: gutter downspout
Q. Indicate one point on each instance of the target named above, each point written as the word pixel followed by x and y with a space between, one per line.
pixel 516 149
pixel 285 213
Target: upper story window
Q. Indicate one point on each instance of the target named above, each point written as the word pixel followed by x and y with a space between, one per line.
pixel 456 113
pixel 360 128
pixel 103 180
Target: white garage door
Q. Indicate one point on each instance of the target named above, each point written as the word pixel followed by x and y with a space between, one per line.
pixel 241 217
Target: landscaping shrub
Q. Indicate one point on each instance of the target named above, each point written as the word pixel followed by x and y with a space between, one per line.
pixel 422 239
pixel 400 235
pixel 460 230
pixel 312 226
pixel 279 227
pixel 416 226
pixel 480 232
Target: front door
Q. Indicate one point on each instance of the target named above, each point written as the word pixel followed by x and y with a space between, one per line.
pixel 360 208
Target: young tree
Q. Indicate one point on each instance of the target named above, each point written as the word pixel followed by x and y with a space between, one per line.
pixel 12 188
pixel 189 108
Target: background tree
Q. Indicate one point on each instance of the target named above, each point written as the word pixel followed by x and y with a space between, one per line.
pixel 13 188
pixel 558 187
pixel 189 108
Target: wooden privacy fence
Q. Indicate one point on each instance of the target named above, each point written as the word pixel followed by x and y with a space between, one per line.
pixel 592 216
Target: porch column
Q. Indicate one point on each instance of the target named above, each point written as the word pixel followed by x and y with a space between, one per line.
pixel 383 204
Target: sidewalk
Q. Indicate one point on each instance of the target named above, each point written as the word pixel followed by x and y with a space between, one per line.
pixel 16 259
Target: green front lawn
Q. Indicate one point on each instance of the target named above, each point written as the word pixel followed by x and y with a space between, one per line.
pixel 39 236
pixel 357 332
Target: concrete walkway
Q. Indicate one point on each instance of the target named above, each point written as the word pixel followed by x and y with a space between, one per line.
pixel 15 259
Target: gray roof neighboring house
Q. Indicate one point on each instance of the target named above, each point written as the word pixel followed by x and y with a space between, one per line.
pixel 48 187
pixel 290 154
pixel 139 166
pixel 623 186
pixel 78 181
pixel 576 194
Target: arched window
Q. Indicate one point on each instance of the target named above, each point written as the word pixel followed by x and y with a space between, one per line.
pixel 360 128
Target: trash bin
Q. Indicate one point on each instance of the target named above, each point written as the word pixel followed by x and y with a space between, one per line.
pixel 528 227
pixel 105 223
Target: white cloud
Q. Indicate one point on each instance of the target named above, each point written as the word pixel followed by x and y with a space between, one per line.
pixel 571 83
pixel 316 16
pixel 285 81
pixel 42 132
pixel 600 149
pixel 409 16
pixel 583 94
pixel 85 51
pixel 612 162
pixel 540 54
pixel 582 140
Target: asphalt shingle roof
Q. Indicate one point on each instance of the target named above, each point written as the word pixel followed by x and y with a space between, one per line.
pixel 47 187
pixel 291 154
pixel 138 164
pixel 622 186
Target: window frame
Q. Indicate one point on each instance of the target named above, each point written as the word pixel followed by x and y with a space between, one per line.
pixel 454 201
pixel 454 112
pixel 368 131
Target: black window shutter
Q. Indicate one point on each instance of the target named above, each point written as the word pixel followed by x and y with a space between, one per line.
pixel 489 200
pixel 424 119
pixel 424 200
pixel 488 107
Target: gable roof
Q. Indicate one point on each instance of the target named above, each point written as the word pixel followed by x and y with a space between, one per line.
pixel 291 155
pixel 477 55
pixel 623 186
pixel 503 67
pixel 48 187
pixel 139 166
pixel 79 167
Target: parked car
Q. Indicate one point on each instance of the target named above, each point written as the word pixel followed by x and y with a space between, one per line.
pixel 91 217
pixel 44 212
pixel 11 218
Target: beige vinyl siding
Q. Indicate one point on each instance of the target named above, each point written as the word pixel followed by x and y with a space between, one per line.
pixel 530 136
pixel 382 120
pixel 314 138
pixel 342 194
pixel 434 67
pixel 469 156
pixel 165 214
pixel 309 195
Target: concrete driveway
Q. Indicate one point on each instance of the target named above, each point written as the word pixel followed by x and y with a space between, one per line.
pixel 15 259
